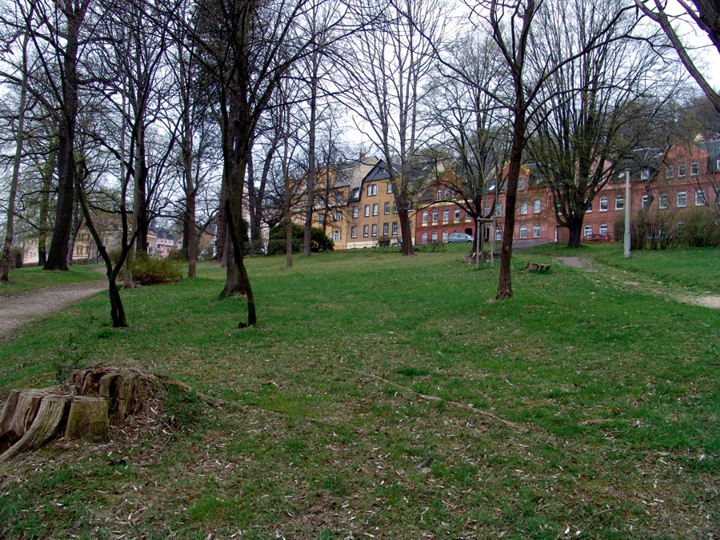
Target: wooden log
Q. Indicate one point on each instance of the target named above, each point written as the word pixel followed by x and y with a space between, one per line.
pixel 88 420
pixel 48 421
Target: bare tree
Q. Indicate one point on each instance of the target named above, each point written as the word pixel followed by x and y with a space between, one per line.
pixel 475 130
pixel 388 75
pixel 586 104
pixel 246 49
pixel 706 15
pixel 25 18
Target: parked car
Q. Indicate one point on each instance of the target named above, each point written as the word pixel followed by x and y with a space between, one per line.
pixel 604 237
pixel 460 238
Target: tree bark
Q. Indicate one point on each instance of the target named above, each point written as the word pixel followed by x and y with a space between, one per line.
pixel 10 224
pixel 57 256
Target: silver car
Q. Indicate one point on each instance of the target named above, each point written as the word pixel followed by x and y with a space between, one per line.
pixel 460 238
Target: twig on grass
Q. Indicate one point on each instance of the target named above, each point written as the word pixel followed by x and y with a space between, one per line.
pixel 513 425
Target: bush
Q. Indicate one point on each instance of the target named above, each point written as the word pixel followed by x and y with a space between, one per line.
pixel 149 271
pixel 319 241
pixel 700 229
pixel 176 255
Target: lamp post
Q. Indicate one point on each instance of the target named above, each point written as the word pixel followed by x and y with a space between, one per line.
pixel 628 236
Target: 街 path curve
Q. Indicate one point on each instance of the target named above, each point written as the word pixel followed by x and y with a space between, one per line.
pixel 639 282
pixel 17 311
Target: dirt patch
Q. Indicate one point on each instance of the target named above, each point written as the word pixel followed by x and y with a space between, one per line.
pixel 573 262
pixel 641 283
pixel 17 311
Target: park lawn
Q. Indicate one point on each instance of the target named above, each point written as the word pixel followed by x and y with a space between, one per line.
pixel 32 278
pixel 576 409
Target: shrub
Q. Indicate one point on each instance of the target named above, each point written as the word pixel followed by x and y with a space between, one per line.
pixel 700 229
pixel 176 255
pixel 319 241
pixel 149 271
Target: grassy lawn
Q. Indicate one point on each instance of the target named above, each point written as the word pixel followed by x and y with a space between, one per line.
pixel 576 409
pixel 34 277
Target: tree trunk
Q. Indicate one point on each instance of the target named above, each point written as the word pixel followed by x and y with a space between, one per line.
pixel 504 290
pixel 310 202
pixel 405 225
pixel 575 228
pixel 57 256
pixel 9 227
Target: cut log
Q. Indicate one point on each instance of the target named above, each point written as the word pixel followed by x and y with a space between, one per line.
pixel 48 421
pixel 88 420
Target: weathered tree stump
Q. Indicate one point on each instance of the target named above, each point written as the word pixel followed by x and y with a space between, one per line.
pixel 80 409
pixel 88 420
pixel 44 427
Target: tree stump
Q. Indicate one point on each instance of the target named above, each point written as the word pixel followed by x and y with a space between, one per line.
pixel 44 427
pixel 80 409
pixel 88 420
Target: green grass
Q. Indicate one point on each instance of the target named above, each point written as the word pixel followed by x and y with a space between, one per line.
pixel 34 277
pixel 578 405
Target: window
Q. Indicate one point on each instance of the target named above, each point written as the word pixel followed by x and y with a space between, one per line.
pixel 524 208
pixel 645 200
pixel 498 209
pixel 389 187
pixel 521 184
pixel 387 208
pixel 523 231
pixel 321 218
pixel 336 236
pixel 423 238
pixel 435 216
pixel 375 209
pixel 536 231
pixel 394 228
pixel 644 174
pixel 445 237
pixel 587 230
pixel 536 206
pixel 663 203
pixel 588 210
pixel 446 215
pixel 386 229
pixel 717 165
pixel 694 168
pixel 457 214
pixel 355 211
pixel 367 210
pixel 486 210
pixel 498 233
pixel 374 229
pixel 699 198
pixel 439 195
pixel 603 228
pixel 619 202
pixel 447 193
pixel 425 216
pixel 669 172
pixel 434 237
pixel 681 170
pixel 353 232
pixel 372 190
pixel 394 208
pixel 366 231
pixel 337 216
pixel 681 199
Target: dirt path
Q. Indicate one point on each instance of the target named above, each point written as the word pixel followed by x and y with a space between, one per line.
pixel 641 283
pixel 17 311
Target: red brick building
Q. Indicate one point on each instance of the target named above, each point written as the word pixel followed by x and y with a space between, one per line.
pixel 668 182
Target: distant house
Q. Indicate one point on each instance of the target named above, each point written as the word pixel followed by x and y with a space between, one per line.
pixel 165 243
